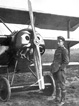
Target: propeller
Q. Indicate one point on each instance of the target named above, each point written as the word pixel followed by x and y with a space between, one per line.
pixel 37 55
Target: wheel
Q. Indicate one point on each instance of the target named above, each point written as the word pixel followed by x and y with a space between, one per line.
pixel 49 85
pixel 5 91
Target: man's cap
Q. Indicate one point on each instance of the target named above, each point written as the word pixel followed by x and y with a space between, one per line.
pixel 60 37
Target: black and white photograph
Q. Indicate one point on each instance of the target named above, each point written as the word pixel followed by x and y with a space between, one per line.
pixel 39 53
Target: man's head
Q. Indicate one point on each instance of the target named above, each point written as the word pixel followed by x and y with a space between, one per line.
pixel 60 41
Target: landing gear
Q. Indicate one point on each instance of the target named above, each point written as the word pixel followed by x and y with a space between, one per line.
pixel 49 85
pixel 5 91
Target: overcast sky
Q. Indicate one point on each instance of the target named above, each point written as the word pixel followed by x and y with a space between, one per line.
pixel 61 7
pixel 66 7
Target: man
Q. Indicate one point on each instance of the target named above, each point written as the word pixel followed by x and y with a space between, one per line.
pixel 61 59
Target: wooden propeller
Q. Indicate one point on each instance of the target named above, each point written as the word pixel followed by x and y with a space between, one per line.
pixel 37 55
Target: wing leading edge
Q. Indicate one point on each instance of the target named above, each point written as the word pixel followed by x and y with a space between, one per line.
pixel 42 20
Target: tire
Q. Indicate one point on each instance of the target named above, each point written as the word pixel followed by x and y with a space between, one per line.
pixel 5 91
pixel 49 85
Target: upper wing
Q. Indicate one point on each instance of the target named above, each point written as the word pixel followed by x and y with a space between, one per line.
pixel 42 20
pixel 51 43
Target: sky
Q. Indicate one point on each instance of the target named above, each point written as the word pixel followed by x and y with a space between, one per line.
pixel 59 7
pixel 65 7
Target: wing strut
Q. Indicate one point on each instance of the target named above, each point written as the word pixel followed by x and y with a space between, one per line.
pixel 68 35
pixel 5 25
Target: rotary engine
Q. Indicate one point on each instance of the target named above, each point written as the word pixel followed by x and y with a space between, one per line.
pixel 24 43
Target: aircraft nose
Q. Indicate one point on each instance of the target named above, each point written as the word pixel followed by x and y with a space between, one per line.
pixel 25 39
pixel 40 39
pixel 41 43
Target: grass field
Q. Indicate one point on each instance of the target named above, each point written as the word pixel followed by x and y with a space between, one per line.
pixel 49 55
pixel 35 99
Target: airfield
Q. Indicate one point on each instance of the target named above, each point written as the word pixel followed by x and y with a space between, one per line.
pixel 37 99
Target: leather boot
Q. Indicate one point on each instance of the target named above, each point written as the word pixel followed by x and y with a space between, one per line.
pixel 63 93
pixel 58 95
pixel 62 101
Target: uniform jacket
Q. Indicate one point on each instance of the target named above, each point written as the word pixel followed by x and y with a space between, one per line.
pixel 61 57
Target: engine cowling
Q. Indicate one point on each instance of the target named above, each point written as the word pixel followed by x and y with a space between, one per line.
pixel 23 42
pixel 41 43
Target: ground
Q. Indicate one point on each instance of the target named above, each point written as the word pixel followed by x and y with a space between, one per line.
pixel 36 99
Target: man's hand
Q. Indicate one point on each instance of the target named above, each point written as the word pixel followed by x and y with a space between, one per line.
pixel 55 67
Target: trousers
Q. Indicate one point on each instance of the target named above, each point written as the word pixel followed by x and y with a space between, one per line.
pixel 59 78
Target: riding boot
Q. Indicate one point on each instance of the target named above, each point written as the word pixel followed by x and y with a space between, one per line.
pixel 63 93
pixel 58 95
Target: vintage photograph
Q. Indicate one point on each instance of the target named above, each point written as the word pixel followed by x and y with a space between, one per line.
pixel 39 53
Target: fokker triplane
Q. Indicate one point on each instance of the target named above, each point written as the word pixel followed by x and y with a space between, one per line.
pixel 29 45
pixel 25 44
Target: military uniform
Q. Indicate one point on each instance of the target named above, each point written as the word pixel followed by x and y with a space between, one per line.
pixel 62 59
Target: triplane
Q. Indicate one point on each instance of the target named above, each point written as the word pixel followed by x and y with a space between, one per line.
pixel 29 45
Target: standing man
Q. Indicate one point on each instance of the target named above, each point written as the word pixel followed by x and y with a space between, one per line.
pixel 61 60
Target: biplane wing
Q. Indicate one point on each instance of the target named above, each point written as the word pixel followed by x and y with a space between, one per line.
pixel 51 43
pixel 46 66
pixel 42 20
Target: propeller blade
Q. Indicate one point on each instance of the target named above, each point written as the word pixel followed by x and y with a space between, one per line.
pixel 37 55
pixel 31 17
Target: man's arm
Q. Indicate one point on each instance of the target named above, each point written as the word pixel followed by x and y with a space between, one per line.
pixel 65 59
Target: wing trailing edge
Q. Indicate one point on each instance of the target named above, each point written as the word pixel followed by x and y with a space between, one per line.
pixel 42 20
pixel 51 43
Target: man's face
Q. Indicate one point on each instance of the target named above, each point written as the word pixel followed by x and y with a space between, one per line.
pixel 60 42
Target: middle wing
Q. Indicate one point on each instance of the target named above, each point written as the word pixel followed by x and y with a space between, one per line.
pixel 51 43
